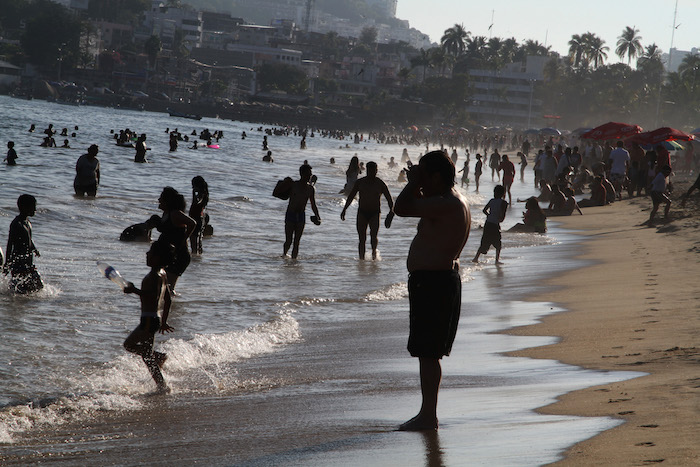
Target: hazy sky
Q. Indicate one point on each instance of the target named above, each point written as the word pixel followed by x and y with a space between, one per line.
pixel 554 21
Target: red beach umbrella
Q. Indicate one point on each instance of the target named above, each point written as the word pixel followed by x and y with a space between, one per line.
pixel 660 135
pixel 612 130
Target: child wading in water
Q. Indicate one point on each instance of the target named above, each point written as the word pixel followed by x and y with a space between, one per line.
pixel 495 212
pixel 154 294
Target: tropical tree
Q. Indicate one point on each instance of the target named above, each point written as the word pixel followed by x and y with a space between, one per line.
pixel 368 36
pixel 476 47
pixel 651 52
pixel 52 36
pixel 493 51
pixel 530 47
pixel 454 40
pixel 629 44
pixel 282 77
pixel 153 47
pixel 440 59
pixel 577 49
pixel 403 75
pixel 650 65
pixel 509 49
pixel 688 71
pixel 595 50
pixel 422 60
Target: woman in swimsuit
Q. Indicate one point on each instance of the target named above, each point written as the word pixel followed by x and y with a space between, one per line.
pixel 175 228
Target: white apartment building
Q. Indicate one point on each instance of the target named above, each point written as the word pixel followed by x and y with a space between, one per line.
pixel 506 97
pixel 163 21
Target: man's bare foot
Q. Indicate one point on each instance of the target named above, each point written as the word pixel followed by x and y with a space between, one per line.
pixel 475 260
pixel 417 423
pixel 499 262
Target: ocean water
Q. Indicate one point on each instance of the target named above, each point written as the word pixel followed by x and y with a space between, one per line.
pixel 242 306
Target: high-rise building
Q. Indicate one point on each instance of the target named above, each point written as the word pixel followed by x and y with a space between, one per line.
pixel 388 6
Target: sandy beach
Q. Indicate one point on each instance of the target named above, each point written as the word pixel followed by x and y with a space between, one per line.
pixel 635 307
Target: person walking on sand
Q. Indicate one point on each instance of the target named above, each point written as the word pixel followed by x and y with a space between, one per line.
pixel 19 262
pixel 371 188
pixel 155 308
pixel 495 211
pixel 658 194
pixel 301 192
pixel 434 285
pixel 87 173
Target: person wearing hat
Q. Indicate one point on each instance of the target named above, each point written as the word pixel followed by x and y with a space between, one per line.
pixel 87 173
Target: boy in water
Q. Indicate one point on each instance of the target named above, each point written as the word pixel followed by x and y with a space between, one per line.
pixel 495 211
pixel 155 294
pixel 21 249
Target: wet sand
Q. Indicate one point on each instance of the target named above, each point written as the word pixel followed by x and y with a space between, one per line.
pixel 635 307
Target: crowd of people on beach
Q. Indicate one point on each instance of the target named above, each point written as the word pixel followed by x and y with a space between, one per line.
pixel 430 193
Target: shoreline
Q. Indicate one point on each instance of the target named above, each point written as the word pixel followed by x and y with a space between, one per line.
pixel 631 307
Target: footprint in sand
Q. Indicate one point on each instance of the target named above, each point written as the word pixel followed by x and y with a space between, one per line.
pixel 648 426
pixel 648 443
pixel 626 412
pixel 654 461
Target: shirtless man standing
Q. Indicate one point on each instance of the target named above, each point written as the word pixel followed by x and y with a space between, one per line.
pixel 295 218
pixel 371 188
pixel 434 284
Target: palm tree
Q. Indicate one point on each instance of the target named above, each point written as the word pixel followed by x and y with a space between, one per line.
pixel 629 43
pixel 509 48
pixel 576 49
pixel 688 70
pixel 493 52
pixel 650 65
pixel 652 52
pixel 453 40
pixel 403 75
pixel 153 47
pixel 475 46
pixel 440 59
pixel 531 47
pixel 595 49
pixel 422 60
